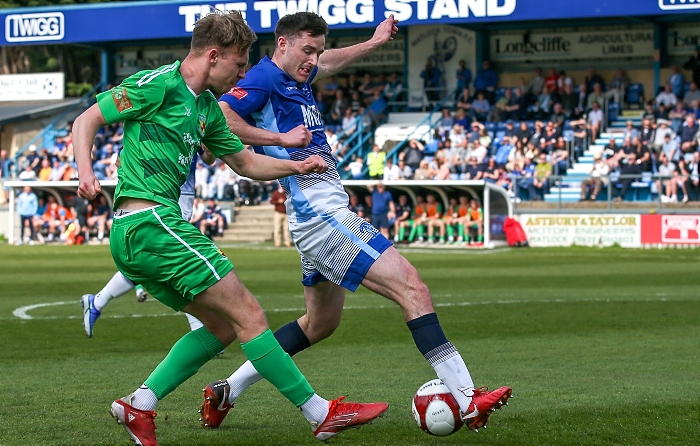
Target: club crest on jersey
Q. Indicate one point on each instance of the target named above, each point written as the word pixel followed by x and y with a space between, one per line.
pixel 121 99
pixel 238 92
pixel 202 125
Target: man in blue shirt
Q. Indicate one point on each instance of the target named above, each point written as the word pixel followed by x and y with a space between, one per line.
pixel 382 208
pixel 27 205
pixel 274 108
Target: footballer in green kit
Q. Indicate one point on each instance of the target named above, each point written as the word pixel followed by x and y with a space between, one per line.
pixel 168 114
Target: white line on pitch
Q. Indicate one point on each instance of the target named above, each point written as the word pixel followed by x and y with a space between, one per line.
pixel 22 312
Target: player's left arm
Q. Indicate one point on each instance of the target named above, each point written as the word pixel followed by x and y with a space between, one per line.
pixel 85 129
pixel 334 60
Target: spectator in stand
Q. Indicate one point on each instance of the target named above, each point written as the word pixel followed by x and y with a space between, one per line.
pixel 666 97
pixel 443 169
pixel 57 170
pixel 611 148
pixel 677 115
pixel 677 82
pixel 507 107
pixel 662 130
pixel 213 221
pixel 535 86
pixel 682 179
pixel 580 134
pixel 552 82
pixel 28 174
pixel 423 172
pixel 491 172
pixel 391 171
pixel 393 92
pixel 648 133
pixel 403 218
pixel 377 108
pixel 461 118
pixel 201 180
pixel 464 76
pixel 670 149
pixel 593 78
pixel 666 183
pixel 464 101
pixel 629 173
pixel 649 112
pixel 376 160
pixel 366 89
pixel 431 81
pixel 582 101
pixel 559 158
pixel 383 211
pixel 27 206
pixel 197 213
pixel 543 171
pixel 618 87
pixel 630 130
pixel 281 226
pixel 549 139
pixel 223 180
pixel 643 154
pixel 329 89
pixel 337 108
pixel 563 81
pixel 486 80
pixel 45 172
pixel 356 102
pixel 558 117
pixel 504 149
pixel 595 120
pixel 446 122
pixel 694 176
pixel 527 179
pixel 414 154
pixel 596 95
pixel 480 108
pixel 355 167
pixel 688 141
pixel 663 112
pixel 568 99
pixel 598 177
pixel 693 94
pixel 524 134
pixel 405 172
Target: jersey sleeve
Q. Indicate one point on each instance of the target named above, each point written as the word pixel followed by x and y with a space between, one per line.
pixel 130 102
pixel 248 96
pixel 313 74
pixel 217 136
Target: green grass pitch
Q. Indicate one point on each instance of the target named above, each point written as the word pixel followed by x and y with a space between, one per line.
pixel 601 347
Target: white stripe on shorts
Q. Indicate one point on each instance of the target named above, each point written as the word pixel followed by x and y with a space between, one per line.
pixel 211 267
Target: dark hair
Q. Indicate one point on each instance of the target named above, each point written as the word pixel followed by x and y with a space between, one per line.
pixel 224 31
pixel 291 26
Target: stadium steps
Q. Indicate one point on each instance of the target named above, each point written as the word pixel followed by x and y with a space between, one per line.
pixel 570 188
pixel 252 224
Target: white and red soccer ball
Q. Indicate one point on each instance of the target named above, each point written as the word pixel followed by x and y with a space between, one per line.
pixel 435 409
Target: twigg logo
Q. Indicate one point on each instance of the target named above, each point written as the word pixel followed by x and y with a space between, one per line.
pixel 34 27
pixel 670 5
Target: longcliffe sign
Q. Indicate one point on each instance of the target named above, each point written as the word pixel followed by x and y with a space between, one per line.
pixel 175 19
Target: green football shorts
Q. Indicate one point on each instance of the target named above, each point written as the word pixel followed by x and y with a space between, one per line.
pixel 172 259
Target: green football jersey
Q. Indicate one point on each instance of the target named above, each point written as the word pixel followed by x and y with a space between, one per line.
pixel 165 124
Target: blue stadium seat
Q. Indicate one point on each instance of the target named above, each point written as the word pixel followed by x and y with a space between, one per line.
pixel 635 95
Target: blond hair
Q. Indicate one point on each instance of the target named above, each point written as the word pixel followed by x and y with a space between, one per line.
pixel 224 31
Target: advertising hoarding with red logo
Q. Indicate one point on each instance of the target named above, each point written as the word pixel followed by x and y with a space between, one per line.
pixel 671 229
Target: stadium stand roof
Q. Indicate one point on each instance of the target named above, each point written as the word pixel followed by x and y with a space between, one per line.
pixel 18 111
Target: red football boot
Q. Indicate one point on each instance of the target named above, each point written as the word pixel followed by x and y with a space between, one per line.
pixel 138 423
pixel 483 404
pixel 216 405
pixel 343 416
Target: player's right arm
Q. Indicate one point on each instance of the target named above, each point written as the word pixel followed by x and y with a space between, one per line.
pixel 298 137
pixel 265 168
pixel 85 129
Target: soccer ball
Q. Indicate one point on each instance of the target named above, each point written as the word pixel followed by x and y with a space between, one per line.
pixel 435 409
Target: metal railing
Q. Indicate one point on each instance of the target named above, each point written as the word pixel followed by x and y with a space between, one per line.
pixel 642 190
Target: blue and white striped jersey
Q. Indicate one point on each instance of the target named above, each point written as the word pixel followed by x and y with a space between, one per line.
pixel 269 98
